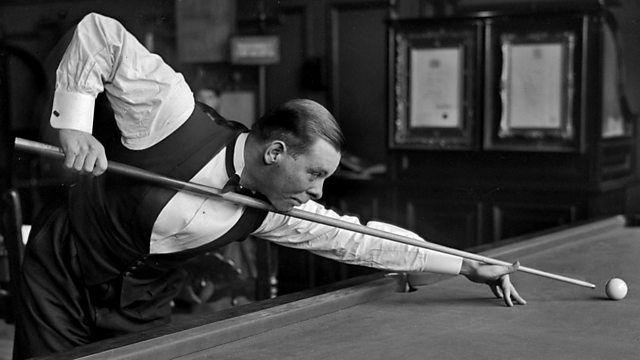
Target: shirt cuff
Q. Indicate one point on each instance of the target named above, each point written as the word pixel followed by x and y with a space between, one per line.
pixel 72 111
pixel 442 263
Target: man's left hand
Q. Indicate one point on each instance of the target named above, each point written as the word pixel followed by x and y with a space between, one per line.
pixel 496 276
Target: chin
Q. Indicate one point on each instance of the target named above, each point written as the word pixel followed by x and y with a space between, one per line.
pixel 282 205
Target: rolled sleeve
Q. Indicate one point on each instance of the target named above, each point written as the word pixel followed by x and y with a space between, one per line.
pixel 72 110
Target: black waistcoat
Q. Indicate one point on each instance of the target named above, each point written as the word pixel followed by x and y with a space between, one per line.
pixel 112 217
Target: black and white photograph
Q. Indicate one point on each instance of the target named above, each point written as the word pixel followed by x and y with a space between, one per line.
pixel 319 179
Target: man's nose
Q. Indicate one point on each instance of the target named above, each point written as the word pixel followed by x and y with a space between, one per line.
pixel 316 191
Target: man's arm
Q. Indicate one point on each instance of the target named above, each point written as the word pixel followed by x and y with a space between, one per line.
pixel 359 249
pixel 355 248
pixel 104 56
pixel 80 76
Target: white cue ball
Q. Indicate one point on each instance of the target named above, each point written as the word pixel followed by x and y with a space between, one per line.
pixel 616 289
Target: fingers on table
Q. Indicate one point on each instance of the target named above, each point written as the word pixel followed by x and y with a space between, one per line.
pixel 496 290
pixel 509 293
pixel 517 297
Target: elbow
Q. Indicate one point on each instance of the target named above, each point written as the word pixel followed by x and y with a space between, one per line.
pixel 104 25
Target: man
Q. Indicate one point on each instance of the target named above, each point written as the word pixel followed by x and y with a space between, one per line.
pixel 107 262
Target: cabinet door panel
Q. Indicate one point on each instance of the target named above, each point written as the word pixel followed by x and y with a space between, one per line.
pixel 283 79
pixel 445 223
pixel 358 51
pixel 513 219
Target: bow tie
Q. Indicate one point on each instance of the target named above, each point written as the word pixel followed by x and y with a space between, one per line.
pixel 233 184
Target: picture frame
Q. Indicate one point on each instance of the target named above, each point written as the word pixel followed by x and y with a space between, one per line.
pixel 533 89
pixel 434 84
pixel 616 122
pixel 534 75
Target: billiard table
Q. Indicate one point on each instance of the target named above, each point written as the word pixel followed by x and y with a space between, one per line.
pixel 445 318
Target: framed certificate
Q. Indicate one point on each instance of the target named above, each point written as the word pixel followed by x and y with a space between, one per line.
pixel 532 78
pixel 433 84
pixel 532 94
pixel 436 87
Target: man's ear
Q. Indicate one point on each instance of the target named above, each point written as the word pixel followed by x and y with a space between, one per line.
pixel 274 152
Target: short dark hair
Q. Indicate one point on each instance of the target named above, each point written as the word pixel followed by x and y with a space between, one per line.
pixel 298 123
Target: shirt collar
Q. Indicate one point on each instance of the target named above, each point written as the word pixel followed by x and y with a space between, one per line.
pixel 238 153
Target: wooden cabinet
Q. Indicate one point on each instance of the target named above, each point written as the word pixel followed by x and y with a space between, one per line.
pixel 542 160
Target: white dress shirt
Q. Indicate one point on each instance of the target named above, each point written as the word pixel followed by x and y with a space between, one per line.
pixel 150 101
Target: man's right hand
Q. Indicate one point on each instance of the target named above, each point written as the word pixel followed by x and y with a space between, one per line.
pixel 82 152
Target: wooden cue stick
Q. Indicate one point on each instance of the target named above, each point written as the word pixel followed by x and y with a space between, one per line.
pixel 52 151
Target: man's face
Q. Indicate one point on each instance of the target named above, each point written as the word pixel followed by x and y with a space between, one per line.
pixel 293 181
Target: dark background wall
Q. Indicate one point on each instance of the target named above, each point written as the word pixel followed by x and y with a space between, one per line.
pixel 327 32
pixel 336 52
